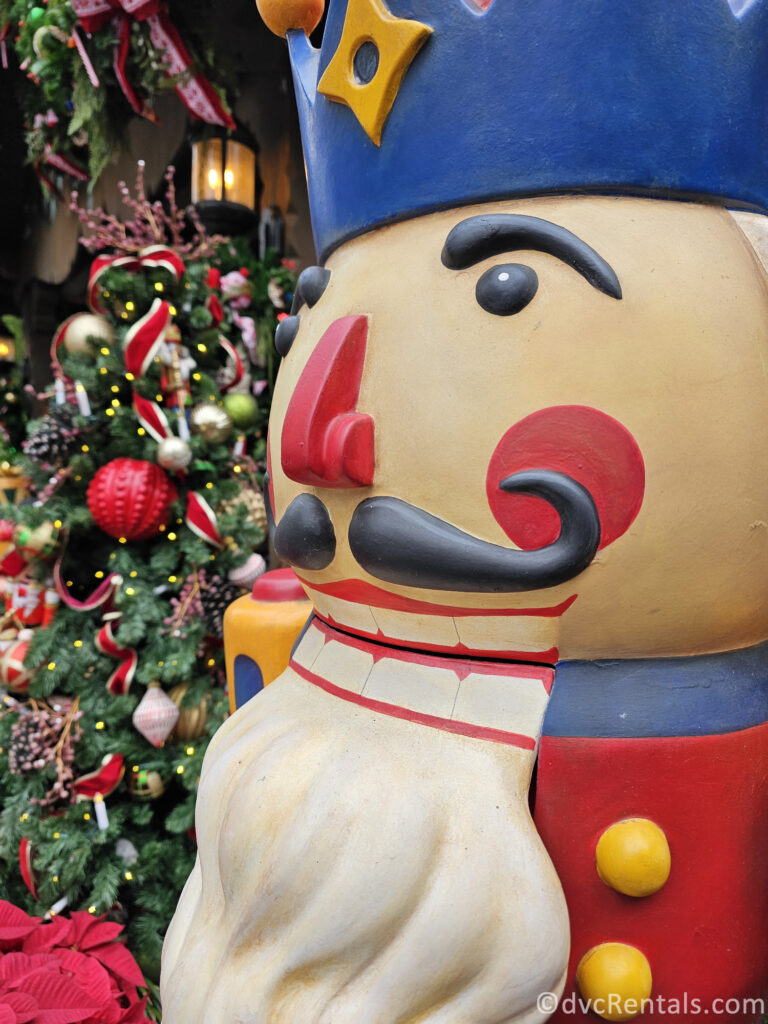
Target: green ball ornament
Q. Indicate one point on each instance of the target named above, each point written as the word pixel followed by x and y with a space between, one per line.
pixel 243 409
pixel 35 17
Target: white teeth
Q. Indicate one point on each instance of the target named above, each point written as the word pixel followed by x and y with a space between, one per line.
pixel 429 690
pixel 426 629
pixel 511 703
pixel 527 633
pixel 339 662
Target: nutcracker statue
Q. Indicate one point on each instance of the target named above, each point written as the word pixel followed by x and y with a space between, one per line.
pixel 517 768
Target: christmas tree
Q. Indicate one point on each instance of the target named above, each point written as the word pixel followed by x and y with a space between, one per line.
pixel 146 523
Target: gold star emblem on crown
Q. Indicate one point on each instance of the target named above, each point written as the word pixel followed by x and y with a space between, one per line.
pixel 374 52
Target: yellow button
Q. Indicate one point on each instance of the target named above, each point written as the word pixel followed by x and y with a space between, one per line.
pixel 633 857
pixel 616 979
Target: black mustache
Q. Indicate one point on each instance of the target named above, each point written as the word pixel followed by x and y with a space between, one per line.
pixel 304 536
pixel 403 544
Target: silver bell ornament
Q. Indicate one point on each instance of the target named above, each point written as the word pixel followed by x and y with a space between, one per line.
pixel 174 454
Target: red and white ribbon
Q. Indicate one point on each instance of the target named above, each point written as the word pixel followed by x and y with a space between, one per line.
pixel 236 361
pixel 151 257
pixel 201 519
pixel 103 594
pixel 101 782
pixel 195 91
pixel 63 164
pixel 119 683
pixel 142 339
pixel 151 417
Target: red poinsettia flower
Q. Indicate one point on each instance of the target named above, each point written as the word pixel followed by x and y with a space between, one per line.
pixel 66 971
pixel 213 277
pixel 215 308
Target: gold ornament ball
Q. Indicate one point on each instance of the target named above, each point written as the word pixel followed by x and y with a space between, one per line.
pixel 83 330
pixel 147 785
pixel 255 509
pixel 211 422
pixel 173 454
pixel 191 723
pixel 633 857
pixel 616 978
pixel 280 16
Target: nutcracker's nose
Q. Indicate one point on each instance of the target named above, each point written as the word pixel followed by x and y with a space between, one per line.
pixel 326 442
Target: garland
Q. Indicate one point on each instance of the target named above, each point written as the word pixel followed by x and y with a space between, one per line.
pixel 92 65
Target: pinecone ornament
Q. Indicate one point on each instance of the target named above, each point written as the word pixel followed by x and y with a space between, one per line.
pixel 256 511
pixel 54 438
pixel 216 595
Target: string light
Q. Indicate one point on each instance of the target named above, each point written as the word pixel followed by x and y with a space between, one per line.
pixel 172 579
pixel 121 540
pixel 130 591
pixel 114 389
pixel 115 403
pixel 172 310
pixel 130 306
pixel 128 876
pixel 99 726
pixel 51 666
pixel 129 376
pixel 91 909
pixel 171 536
pixel 104 351
pixel 201 347
pixel 85 448
pixel 110 412
pixel 135 768
pixel 209 486
pixel 180 769
pixel 211 662
pixel 196 376
pixel 57 523
pixel 160 664
pixel 103 370
pixel 78 643
pixel 159 287
pixel 24 817
pixel 133 574
pixel 190 751
pixel 141 431
pixel 158 398
pixel 55 879
pixel 237 469
pixel 57 835
pixel 99 574
pixel 86 816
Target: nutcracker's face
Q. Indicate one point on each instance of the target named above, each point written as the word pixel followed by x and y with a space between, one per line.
pixel 456 378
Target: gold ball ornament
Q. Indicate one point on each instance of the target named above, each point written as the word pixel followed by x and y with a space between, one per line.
pixel 280 16
pixel 616 979
pixel 174 454
pixel 147 785
pixel 633 857
pixel 191 722
pixel 211 422
pixel 86 330
pixel 255 509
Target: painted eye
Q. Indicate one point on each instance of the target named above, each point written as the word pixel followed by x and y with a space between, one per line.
pixel 286 332
pixel 506 289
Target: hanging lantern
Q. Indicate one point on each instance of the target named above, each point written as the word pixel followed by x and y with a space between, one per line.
pixel 225 181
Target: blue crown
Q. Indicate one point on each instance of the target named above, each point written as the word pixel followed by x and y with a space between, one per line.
pixel 417 105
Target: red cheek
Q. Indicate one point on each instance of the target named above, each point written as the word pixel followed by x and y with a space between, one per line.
pixel 585 444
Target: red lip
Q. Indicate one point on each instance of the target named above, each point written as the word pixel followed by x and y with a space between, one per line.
pixel 360 592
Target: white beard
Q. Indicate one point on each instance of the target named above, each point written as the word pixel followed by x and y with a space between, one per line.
pixel 354 868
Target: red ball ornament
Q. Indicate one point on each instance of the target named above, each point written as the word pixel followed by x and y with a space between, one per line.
pixel 131 498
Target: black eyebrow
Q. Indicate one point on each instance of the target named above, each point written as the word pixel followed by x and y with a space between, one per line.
pixel 479 238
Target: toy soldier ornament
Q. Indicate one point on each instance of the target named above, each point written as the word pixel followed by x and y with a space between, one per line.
pixel 517 458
